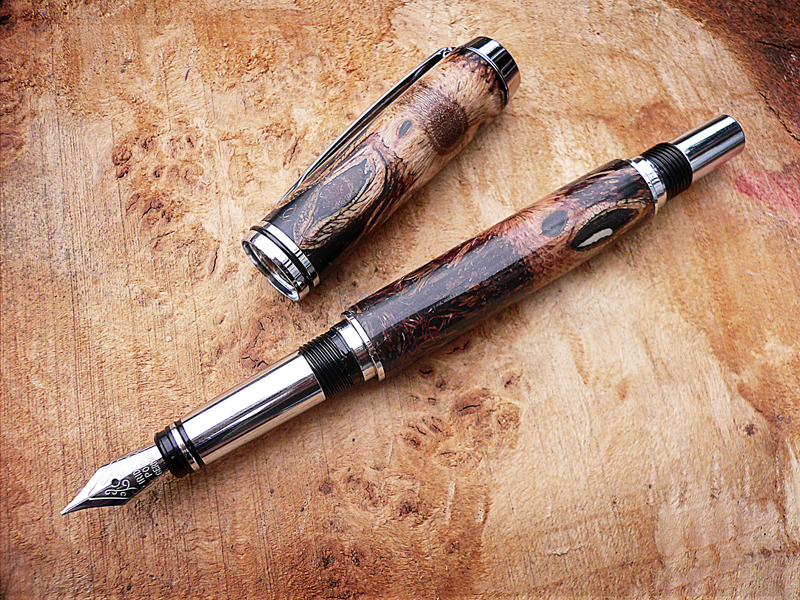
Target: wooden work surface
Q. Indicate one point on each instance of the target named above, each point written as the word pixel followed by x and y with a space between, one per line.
pixel 631 430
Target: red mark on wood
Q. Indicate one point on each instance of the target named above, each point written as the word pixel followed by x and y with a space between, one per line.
pixel 780 188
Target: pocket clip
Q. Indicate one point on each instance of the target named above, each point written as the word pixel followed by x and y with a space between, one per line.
pixel 368 116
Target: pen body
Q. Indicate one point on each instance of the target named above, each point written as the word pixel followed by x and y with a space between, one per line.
pixel 431 306
pixel 434 304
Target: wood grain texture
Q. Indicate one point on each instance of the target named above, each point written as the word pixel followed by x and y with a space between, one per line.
pixel 431 306
pixel 399 153
pixel 631 429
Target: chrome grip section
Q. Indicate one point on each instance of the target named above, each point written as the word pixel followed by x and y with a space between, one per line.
pixel 262 402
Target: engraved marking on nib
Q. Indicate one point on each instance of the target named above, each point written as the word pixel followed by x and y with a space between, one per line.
pixel 119 481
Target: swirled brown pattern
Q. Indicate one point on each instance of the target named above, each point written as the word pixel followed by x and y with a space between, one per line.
pixel 441 300
pixel 406 146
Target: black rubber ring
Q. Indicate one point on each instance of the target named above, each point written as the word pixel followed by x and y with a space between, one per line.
pixel 173 457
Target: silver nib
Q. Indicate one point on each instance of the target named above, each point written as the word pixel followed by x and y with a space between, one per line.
pixel 120 480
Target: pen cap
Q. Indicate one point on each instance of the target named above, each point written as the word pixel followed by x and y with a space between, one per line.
pixel 382 164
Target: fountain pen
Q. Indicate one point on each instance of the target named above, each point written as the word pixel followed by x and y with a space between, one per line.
pixel 429 307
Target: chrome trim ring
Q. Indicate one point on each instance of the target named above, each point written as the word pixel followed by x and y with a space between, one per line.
pixel 177 438
pixel 648 172
pixel 275 265
pixel 501 61
pixel 280 260
pixel 289 244
pixel 359 349
pixel 367 343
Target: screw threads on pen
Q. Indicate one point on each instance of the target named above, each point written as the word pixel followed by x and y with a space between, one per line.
pixel 673 167
pixel 332 362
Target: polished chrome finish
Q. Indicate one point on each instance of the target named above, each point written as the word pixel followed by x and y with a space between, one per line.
pixel 367 343
pixel 358 347
pixel 279 258
pixel 501 61
pixel 650 175
pixel 119 481
pixel 713 143
pixel 260 403
pixel 177 439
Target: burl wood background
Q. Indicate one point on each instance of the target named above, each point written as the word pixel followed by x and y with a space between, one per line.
pixel 631 430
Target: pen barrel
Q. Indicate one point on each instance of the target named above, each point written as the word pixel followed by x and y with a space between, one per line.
pixel 433 305
pixel 399 152
pixel 439 301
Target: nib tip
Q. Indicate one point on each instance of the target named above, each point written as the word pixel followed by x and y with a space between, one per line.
pixel 78 502
pixel 119 481
pixel 69 508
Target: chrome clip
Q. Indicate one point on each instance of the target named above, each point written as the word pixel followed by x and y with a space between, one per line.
pixel 368 116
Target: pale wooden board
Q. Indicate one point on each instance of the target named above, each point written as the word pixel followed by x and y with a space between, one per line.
pixel 630 430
